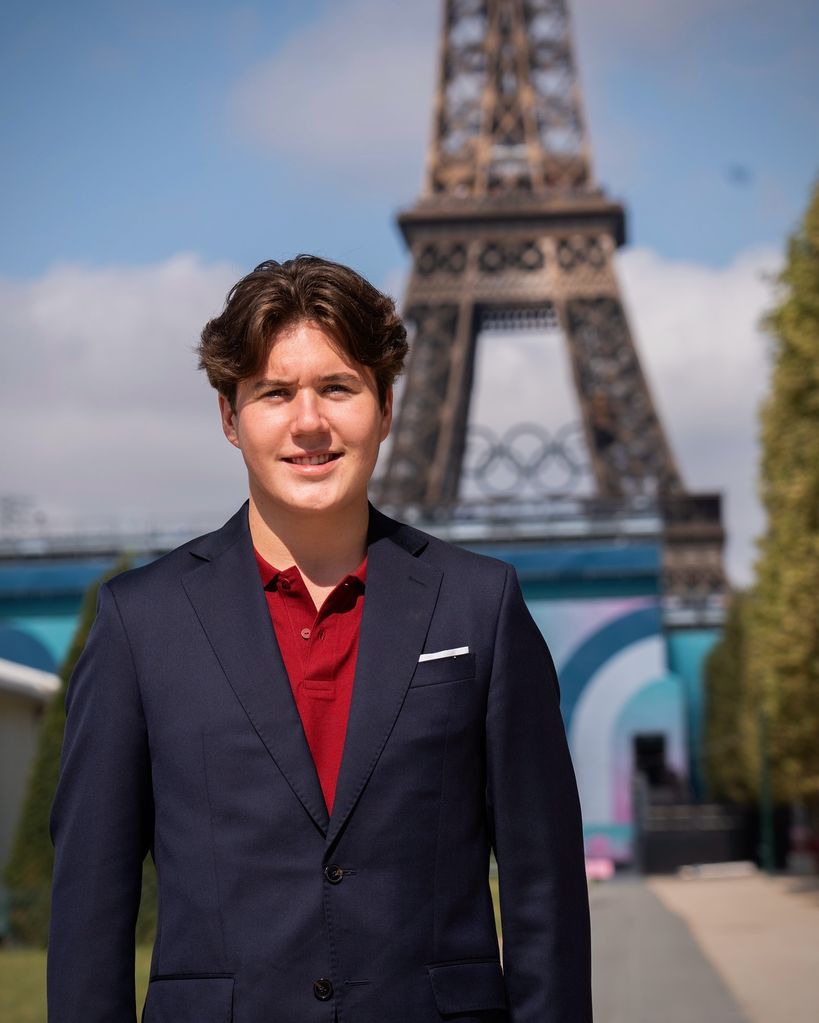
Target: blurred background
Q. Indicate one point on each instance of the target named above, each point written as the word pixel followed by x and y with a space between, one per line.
pixel 154 153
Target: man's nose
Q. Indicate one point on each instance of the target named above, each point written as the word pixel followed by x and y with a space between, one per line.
pixel 308 416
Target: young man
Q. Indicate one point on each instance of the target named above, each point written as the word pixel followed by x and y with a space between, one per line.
pixel 319 721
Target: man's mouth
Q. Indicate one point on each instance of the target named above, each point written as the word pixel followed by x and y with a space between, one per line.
pixel 312 459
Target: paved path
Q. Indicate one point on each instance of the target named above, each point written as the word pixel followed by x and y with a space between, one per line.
pixel 761 934
pixel 648 967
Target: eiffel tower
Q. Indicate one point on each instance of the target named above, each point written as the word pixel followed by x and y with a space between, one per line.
pixel 510 229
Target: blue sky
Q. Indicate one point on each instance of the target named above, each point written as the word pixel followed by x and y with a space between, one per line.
pixel 152 152
pixel 122 143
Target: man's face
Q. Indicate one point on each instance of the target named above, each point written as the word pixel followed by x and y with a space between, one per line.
pixel 309 425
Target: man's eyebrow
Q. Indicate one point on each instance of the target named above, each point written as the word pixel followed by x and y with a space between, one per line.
pixel 341 378
pixel 268 384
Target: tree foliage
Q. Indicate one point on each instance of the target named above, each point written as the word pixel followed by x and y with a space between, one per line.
pixel 31 861
pixel 762 679
pixel 729 723
pixel 783 649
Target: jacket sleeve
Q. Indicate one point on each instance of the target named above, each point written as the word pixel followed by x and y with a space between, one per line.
pixel 101 823
pixel 534 814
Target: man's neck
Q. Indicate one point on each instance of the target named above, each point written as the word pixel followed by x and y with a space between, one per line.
pixel 324 549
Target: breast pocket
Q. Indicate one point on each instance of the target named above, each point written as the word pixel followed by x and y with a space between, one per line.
pixel 443 669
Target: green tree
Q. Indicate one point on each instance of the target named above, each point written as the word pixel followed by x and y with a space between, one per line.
pixel 31 862
pixel 730 731
pixel 782 666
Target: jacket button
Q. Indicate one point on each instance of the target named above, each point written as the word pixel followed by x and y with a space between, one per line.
pixel 334 873
pixel 322 989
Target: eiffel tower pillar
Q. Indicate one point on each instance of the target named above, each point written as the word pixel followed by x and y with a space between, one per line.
pixel 511 224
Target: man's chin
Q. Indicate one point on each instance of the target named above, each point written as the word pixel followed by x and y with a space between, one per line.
pixel 314 501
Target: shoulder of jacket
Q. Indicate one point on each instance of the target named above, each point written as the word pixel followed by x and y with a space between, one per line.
pixel 166 568
pixel 450 556
pixel 158 571
pixel 462 556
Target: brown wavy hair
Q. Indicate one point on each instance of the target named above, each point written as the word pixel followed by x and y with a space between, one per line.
pixel 275 296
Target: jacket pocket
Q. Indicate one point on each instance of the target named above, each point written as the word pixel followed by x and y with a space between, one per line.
pixel 447 669
pixel 468 987
pixel 189 999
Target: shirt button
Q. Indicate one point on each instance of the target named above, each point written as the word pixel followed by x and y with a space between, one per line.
pixel 323 989
pixel 305 633
pixel 285 585
pixel 334 873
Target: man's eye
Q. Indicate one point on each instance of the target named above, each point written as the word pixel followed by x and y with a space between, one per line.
pixel 276 392
pixel 337 389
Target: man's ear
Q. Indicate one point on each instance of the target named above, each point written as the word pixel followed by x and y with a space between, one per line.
pixel 228 416
pixel 386 422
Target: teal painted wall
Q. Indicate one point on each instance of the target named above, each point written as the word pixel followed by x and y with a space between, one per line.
pixel 687 652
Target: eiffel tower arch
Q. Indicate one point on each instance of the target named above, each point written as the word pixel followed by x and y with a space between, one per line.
pixel 512 229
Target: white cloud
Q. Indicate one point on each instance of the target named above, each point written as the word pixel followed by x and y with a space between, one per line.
pixel 351 91
pixel 705 355
pixel 104 413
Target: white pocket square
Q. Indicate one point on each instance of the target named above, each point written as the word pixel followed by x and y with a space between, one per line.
pixel 455 651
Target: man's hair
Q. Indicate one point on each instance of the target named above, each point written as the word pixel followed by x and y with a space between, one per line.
pixel 278 296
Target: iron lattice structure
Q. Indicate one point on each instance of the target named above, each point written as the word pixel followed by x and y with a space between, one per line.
pixel 508 115
pixel 511 226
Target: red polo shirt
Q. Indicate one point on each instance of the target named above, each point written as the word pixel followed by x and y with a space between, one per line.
pixel 319 650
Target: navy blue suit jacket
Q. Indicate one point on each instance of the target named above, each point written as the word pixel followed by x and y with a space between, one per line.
pixel 182 738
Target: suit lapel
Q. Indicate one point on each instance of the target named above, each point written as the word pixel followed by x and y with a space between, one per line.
pixel 400 597
pixel 229 601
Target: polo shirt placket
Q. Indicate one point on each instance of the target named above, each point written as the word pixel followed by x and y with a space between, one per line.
pixel 319 649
